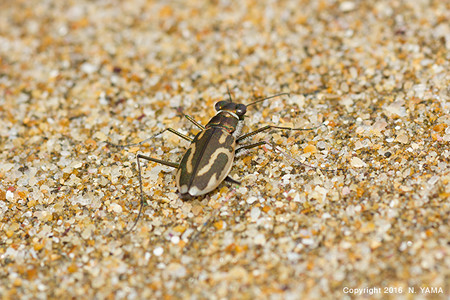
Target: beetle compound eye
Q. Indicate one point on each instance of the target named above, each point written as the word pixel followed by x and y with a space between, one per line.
pixel 219 105
pixel 241 109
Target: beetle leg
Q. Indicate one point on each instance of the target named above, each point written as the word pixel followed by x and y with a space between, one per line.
pixel 138 157
pixel 183 136
pixel 267 127
pixel 249 146
pixel 159 161
pixel 231 180
pixel 195 122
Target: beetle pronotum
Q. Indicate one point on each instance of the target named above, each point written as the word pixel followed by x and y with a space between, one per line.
pixel 208 160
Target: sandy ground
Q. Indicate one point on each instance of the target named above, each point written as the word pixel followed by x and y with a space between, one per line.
pixel 77 74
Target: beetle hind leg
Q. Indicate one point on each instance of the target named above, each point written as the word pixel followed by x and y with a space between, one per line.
pixel 232 181
pixel 163 162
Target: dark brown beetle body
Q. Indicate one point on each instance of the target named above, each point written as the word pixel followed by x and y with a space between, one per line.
pixel 209 158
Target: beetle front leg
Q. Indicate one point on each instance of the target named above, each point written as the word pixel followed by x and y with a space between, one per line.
pixel 191 119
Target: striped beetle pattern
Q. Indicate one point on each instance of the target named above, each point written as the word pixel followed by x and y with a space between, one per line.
pixel 206 163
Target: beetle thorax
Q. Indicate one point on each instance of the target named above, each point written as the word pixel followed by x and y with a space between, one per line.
pixel 224 119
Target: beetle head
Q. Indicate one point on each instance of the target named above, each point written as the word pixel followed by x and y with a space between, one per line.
pixel 238 109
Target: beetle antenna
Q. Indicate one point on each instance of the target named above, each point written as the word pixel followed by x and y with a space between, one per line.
pixel 266 98
pixel 229 94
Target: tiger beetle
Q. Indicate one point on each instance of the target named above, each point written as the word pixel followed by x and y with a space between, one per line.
pixel 207 161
